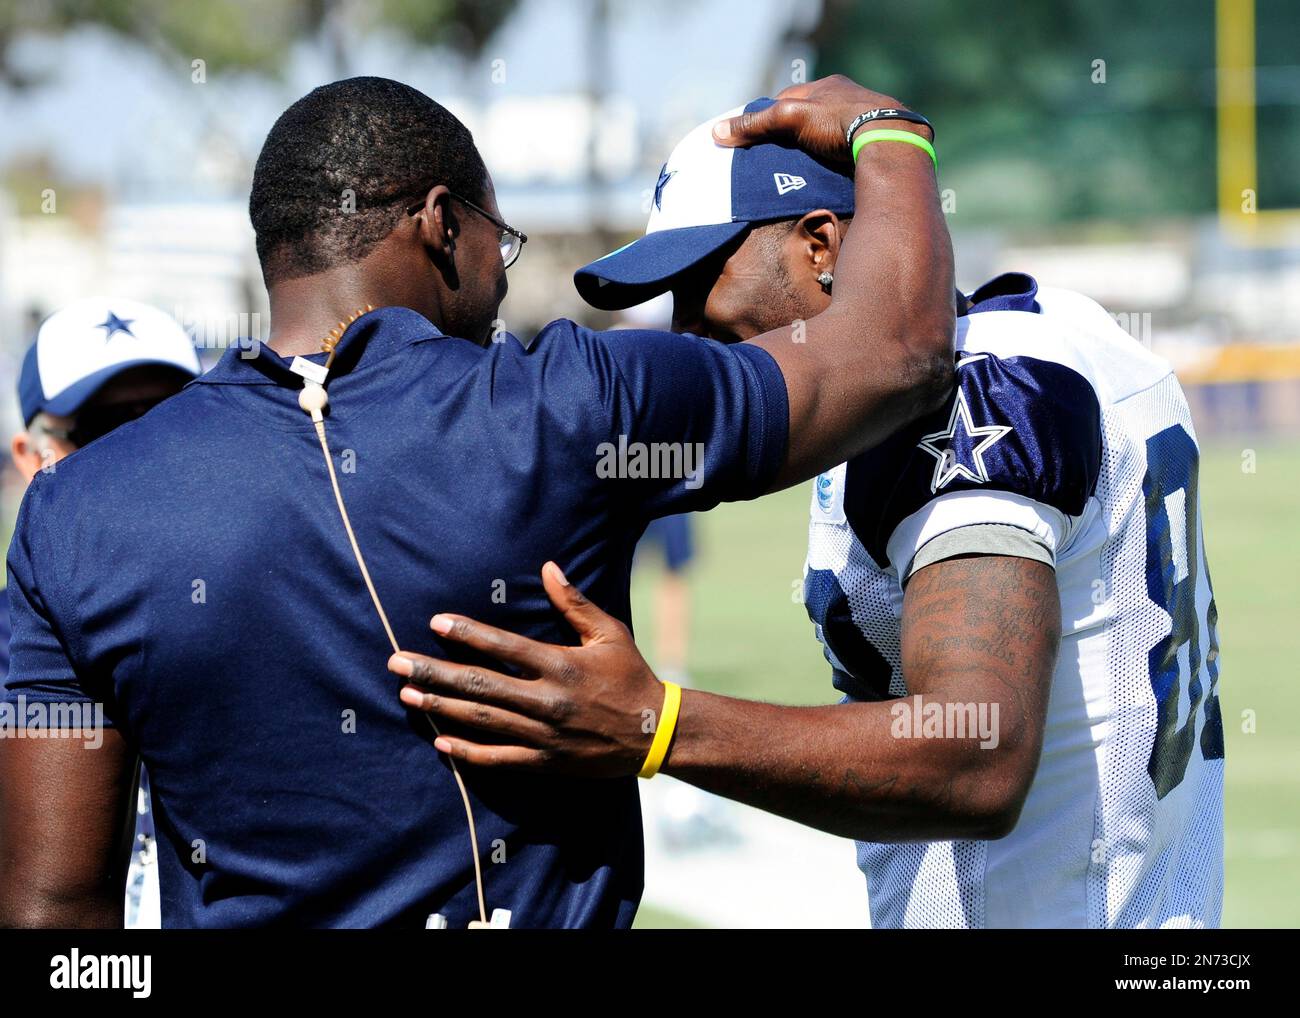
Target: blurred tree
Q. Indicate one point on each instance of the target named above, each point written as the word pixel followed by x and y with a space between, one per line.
pixel 252 36
pixel 1057 111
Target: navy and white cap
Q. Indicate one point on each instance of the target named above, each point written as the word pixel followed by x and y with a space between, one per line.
pixel 81 347
pixel 708 195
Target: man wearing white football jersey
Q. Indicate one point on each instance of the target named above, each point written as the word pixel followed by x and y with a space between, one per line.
pixel 1012 594
pixel 1067 443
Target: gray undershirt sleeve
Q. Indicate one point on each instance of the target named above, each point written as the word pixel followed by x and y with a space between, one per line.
pixel 982 539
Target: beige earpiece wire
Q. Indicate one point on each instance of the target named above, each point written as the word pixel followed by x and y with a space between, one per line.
pixel 315 404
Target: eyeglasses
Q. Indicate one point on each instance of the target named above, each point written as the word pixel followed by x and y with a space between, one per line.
pixel 511 240
pixel 96 422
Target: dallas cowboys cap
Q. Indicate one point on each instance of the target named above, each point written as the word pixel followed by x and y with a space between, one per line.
pixel 707 196
pixel 81 347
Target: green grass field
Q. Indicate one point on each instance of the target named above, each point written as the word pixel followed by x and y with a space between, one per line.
pixel 753 639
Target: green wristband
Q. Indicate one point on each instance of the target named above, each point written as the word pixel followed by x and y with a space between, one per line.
pixel 883 134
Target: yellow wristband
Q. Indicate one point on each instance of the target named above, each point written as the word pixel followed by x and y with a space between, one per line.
pixel 663 731
pixel 880 134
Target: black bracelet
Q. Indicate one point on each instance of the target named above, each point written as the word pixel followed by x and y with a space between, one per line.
pixel 885 114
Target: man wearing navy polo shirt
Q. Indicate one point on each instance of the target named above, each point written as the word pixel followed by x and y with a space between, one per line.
pixel 210 599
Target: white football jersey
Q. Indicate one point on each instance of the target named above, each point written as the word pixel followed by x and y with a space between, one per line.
pixel 1064 426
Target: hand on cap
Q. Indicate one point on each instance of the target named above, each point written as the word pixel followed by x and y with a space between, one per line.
pixel 813 116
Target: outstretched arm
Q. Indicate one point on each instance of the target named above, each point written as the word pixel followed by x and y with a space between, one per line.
pixel 980 637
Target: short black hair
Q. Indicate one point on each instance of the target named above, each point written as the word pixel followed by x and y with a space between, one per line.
pixel 341 164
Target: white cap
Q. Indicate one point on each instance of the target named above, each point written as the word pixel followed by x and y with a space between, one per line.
pixel 82 346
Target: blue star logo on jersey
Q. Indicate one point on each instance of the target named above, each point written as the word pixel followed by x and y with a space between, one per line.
pixel 959 450
pixel 664 175
pixel 112 325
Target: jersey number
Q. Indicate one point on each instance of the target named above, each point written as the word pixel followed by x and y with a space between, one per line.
pixel 1173 563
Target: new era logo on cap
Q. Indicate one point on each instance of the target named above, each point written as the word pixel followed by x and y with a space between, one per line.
pixel 787 182
pixel 706 197
pixel 82 346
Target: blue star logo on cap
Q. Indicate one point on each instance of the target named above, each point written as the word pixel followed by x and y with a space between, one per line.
pixel 960 448
pixel 664 175
pixel 112 325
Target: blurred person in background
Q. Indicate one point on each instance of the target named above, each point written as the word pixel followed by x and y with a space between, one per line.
pixel 97 364
pixel 673 537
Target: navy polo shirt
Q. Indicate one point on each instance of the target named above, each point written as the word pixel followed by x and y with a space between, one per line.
pixel 207 596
